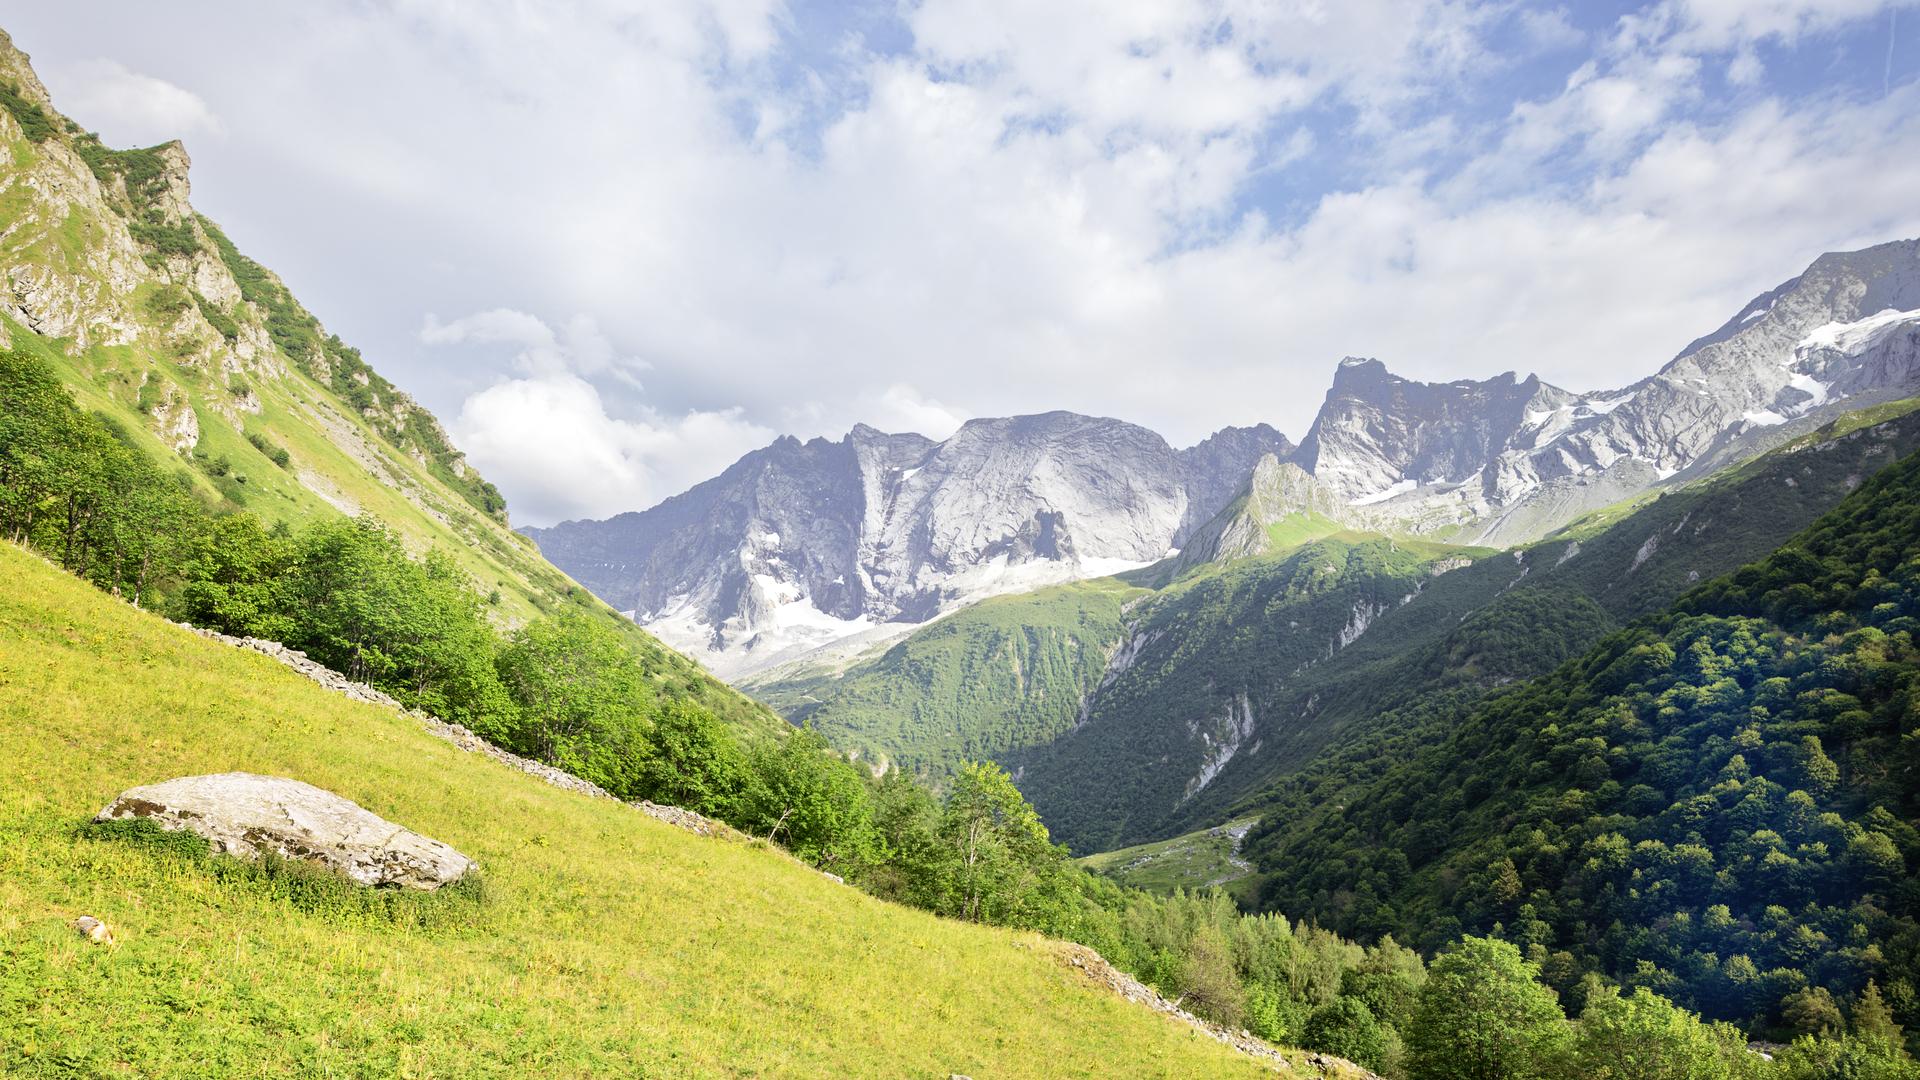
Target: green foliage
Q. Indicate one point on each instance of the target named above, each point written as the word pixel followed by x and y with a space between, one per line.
pixel 1482 1015
pixel 1848 1058
pixel 1642 1036
pixel 1005 862
pixel 169 301
pixel 582 703
pixel 72 486
pixel 276 454
pixel 34 121
pixel 1347 1027
pixel 222 322
pixel 1714 803
pixel 694 762
pixel 811 800
pixel 234 580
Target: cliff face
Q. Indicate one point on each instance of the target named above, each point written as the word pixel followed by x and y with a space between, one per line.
pixel 800 545
pixel 1506 460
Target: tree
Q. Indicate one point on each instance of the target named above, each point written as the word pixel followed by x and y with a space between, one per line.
pixel 231 580
pixel 1872 1019
pixel 694 763
pixel 812 800
pixel 1482 1015
pixel 1208 983
pixel 1388 981
pixel 1003 858
pixel 1645 1037
pixel 1346 1027
pixel 417 630
pixel 911 867
pixel 1812 1011
pixel 583 701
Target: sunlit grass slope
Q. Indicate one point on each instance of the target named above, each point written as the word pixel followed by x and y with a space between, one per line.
pixel 608 944
pixel 1192 861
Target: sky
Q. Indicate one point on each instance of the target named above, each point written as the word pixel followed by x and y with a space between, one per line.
pixel 615 244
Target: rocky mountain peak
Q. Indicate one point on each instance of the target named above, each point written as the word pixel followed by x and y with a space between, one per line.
pixel 16 67
pixel 1508 459
pixel 801 546
pixel 1279 504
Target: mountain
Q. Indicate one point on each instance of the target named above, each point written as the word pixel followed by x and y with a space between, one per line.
pixel 1172 699
pixel 803 545
pixel 1281 505
pixel 204 362
pixel 1507 460
pixel 1717 800
pixel 813 551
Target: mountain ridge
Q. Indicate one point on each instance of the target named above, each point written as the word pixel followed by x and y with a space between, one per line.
pixel 913 527
pixel 801 545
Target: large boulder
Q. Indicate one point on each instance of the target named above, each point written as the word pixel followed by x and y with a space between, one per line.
pixel 247 814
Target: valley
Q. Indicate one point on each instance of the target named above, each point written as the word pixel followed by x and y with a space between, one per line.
pixel 1493 730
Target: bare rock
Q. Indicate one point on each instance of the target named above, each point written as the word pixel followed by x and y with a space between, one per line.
pixel 247 814
pixel 93 930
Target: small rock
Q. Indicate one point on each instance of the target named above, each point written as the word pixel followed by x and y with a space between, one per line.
pixel 247 814
pixel 93 930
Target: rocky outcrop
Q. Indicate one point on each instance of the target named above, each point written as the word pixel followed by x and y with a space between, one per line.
pixel 1278 496
pixel 800 545
pixel 453 733
pixel 1095 969
pixel 250 815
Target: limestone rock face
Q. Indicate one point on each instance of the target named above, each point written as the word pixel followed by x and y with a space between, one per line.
pixel 247 814
pixel 798 545
pixel 1506 460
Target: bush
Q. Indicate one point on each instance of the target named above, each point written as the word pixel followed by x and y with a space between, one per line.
pixel 34 121
pixel 1347 1028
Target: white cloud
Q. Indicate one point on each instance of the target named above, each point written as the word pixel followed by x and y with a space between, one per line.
pixel 550 441
pixel 549 437
pixel 578 348
pixel 127 107
pixel 1724 24
pixel 902 408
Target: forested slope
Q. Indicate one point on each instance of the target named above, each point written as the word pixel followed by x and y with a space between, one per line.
pixel 1717 802
pixel 1519 615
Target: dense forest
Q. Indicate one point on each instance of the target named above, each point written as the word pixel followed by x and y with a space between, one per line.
pixel 1715 803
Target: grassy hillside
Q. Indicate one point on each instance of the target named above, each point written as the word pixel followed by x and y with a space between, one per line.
pixel 606 943
pixel 207 363
pixel 1006 673
pixel 1206 859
